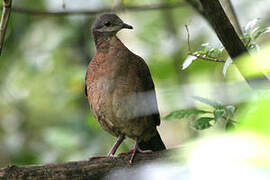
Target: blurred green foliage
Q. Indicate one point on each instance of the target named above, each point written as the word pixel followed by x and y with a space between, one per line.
pixel 252 31
pixel 219 113
pixel 44 116
pixel 255 116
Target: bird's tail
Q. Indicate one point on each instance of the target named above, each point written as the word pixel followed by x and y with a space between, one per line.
pixel 154 144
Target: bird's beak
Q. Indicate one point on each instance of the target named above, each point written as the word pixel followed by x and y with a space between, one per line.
pixel 126 26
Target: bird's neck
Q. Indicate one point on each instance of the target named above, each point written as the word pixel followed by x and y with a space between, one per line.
pixel 104 42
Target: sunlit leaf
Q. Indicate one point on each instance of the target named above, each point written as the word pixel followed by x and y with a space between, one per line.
pixel 211 52
pixel 188 61
pixel 267 29
pixel 205 44
pixel 260 32
pixel 219 114
pixel 231 109
pixel 226 66
pixel 208 101
pixel 185 113
pixel 202 123
pixel 251 24
pixel 253 31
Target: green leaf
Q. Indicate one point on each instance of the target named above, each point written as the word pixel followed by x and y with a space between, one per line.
pixel 208 102
pixel 251 25
pixel 202 123
pixel 219 114
pixel 185 113
pixel 252 31
pixel 210 52
pixel 226 66
pixel 230 109
pixel 230 125
pixel 260 32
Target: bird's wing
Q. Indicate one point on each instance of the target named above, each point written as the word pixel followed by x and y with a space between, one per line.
pixel 147 84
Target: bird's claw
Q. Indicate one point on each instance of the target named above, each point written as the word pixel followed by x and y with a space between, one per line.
pixel 110 156
pixel 133 153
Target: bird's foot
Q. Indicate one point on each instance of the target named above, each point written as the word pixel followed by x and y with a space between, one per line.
pixel 112 151
pixel 109 156
pixel 133 153
pixel 96 157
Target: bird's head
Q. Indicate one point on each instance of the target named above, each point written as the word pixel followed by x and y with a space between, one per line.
pixel 109 23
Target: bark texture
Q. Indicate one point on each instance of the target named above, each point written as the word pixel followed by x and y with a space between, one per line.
pixel 94 169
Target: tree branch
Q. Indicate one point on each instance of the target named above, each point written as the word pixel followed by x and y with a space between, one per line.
pixel 231 41
pixel 230 12
pixel 94 169
pixel 4 21
pixel 35 12
pixel 235 19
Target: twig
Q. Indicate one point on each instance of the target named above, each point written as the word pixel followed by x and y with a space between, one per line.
pixel 35 12
pixel 4 22
pixel 188 38
pixel 206 58
pixel 197 55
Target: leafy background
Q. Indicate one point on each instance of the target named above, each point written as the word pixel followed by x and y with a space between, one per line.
pixel 44 116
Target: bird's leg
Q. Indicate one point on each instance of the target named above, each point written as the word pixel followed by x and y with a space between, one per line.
pixel 113 150
pixel 135 149
pixel 116 145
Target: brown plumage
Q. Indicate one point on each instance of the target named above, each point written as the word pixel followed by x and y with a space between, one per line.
pixel 120 89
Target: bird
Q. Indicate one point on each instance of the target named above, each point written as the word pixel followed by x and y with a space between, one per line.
pixel 120 90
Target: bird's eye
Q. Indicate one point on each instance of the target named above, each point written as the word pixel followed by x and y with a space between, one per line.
pixel 108 23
